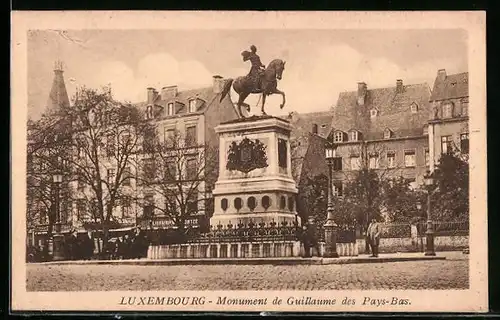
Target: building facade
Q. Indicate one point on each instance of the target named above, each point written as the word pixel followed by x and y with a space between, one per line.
pixel 449 117
pixel 383 129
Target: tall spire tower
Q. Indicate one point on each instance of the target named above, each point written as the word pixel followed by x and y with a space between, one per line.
pixel 58 95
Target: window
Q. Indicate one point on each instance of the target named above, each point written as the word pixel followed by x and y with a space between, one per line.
pixel 409 158
pixel 426 130
pixel 282 202
pixel 169 137
pixel 110 145
pixel 238 203
pixel 373 161
pixel 446 146
pixel 81 207
pixel 126 202
pixel 171 204
pixel 387 133
pixel 291 203
pixel 149 112
pixel 353 136
pixel 111 175
pixel 337 189
pixel 80 183
pixel 338 136
pixel 266 202
pixel 191 169
pixel 465 106
pixel 192 105
pixel 427 157
pixel 224 204
pixel 149 168
pixel 464 143
pixel 148 140
pixel 191 137
pixel 282 153
pixel 170 109
pixel 170 169
pixel 337 164
pixel 127 174
pixel 192 203
pixel 149 206
pixel 447 110
pixel 373 113
pixel 355 165
pixel 414 108
pixel 251 203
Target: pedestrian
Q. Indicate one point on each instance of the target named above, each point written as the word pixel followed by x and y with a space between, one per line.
pixel 127 247
pixel 87 243
pixel 373 232
pixel 310 239
pixel 120 248
pixel 73 245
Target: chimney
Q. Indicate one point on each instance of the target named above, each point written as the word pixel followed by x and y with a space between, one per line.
pixel 152 94
pixel 441 74
pixel 168 93
pixel 399 86
pixel 361 93
pixel 315 128
pixel 218 83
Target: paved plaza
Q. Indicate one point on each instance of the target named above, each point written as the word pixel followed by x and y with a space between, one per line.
pixel 452 273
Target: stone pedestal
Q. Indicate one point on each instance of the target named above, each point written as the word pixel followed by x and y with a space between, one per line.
pixel 250 188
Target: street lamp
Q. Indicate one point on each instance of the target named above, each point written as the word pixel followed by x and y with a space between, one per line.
pixel 429 234
pixel 330 225
pixel 58 253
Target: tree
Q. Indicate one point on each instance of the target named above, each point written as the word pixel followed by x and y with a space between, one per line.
pixel 45 157
pixel 400 201
pixel 183 173
pixel 105 138
pixel 313 199
pixel 451 196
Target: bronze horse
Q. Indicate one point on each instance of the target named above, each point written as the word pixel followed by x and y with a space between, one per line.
pixel 268 85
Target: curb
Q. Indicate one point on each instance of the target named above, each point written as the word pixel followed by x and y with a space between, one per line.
pixel 245 261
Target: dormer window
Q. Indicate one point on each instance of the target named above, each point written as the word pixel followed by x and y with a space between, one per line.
pixel 170 109
pixel 414 108
pixel 353 135
pixel 192 105
pixel 149 112
pixel 373 113
pixel 387 133
pixel 338 136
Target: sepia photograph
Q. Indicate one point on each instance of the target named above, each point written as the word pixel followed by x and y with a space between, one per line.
pixel 201 165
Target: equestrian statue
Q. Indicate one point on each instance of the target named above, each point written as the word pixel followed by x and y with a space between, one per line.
pixel 260 80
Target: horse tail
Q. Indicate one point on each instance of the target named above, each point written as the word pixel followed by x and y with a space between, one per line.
pixel 225 90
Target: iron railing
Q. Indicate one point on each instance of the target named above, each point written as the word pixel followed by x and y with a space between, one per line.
pixel 396 230
pixel 445 228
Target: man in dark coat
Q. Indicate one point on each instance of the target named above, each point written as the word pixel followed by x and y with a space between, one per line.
pixel 373 234
pixel 310 239
pixel 257 66
pixel 73 246
pixel 87 245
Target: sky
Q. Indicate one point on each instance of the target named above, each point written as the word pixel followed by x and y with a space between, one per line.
pixel 319 63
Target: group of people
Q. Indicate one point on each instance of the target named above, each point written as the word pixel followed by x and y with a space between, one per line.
pixel 311 243
pixel 129 246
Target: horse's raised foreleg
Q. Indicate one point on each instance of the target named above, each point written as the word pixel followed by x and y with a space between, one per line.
pixel 282 95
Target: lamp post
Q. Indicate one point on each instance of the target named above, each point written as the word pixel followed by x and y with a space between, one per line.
pixel 58 253
pixel 429 234
pixel 330 225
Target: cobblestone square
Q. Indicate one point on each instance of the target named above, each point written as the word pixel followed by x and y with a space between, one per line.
pixel 452 273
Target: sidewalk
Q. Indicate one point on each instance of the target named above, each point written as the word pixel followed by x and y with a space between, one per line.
pixel 389 257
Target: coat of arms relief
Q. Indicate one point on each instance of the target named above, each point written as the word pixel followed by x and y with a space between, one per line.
pixel 246 155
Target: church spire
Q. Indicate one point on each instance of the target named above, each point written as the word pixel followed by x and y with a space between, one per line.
pixel 58 95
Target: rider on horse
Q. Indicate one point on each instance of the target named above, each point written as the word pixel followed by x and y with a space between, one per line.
pixel 257 66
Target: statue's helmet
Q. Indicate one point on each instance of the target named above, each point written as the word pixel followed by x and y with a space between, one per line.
pixel 253 48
